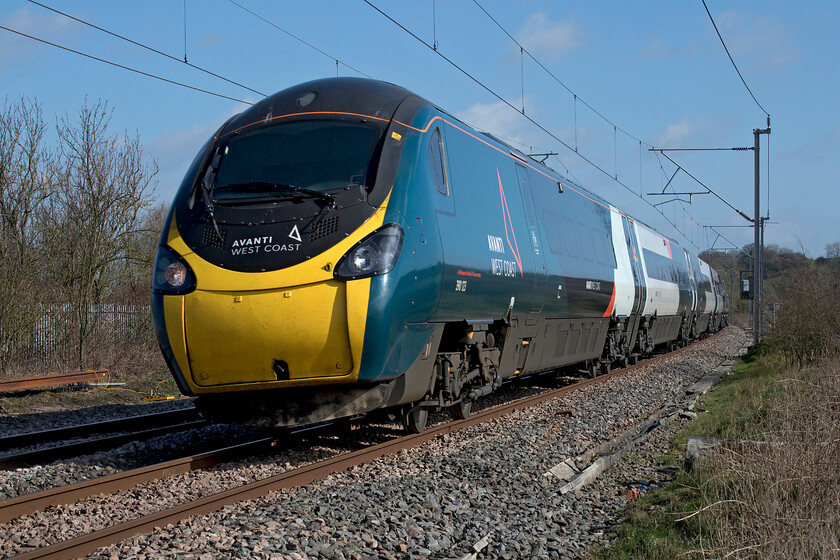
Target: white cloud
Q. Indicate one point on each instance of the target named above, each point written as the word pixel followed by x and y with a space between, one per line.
pixel 757 41
pixel 700 131
pixel 42 23
pixel 549 39
pixel 675 135
pixel 504 122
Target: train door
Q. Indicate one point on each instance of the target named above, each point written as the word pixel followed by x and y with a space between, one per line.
pixel 638 276
pixel 537 256
pixel 640 289
pixel 443 200
pixel 691 312
pixel 435 223
pixel 700 287
pixel 692 282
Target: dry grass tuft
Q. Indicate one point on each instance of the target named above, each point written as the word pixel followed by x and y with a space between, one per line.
pixel 776 494
pixel 779 497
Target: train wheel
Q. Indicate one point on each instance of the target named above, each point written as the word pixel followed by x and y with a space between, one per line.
pixel 605 368
pixel 415 420
pixel 461 410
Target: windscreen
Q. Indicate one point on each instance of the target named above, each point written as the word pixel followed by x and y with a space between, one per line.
pixel 314 155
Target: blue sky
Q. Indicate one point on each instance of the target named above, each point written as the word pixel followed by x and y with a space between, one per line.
pixel 655 72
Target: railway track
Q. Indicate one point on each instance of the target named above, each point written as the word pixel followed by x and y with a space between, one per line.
pixel 113 434
pixel 88 543
pixel 32 503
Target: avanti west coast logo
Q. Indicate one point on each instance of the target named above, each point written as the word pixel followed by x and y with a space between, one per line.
pixel 265 244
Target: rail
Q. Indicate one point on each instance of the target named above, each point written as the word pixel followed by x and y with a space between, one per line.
pixel 72 493
pixel 86 544
pixel 90 376
pixel 74 449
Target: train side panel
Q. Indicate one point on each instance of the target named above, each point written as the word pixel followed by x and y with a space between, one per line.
pixel 669 293
pixel 497 266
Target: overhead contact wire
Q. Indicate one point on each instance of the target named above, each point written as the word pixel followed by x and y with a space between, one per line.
pixel 130 69
pixel 575 96
pixel 293 36
pixel 152 49
pixel 509 104
pixel 555 78
pixel 710 191
pixel 487 89
pixel 743 81
pixel 616 128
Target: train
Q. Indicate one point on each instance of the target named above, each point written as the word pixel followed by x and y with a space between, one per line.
pixel 345 246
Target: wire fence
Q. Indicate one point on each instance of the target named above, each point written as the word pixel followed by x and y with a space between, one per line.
pixel 59 336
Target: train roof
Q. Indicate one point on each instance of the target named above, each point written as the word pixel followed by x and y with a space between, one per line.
pixel 375 98
pixel 351 95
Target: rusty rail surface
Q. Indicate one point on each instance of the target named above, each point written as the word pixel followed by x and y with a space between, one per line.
pixel 86 544
pixel 74 449
pixel 128 423
pixel 72 493
pixel 90 376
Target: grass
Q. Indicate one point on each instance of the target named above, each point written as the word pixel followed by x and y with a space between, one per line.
pixel 739 400
pixel 669 460
pixel 143 373
pixel 773 493
pixel 651 528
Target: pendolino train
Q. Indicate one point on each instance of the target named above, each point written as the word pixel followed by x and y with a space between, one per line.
pixel 344 246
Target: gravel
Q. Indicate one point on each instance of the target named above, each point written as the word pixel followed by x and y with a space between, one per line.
pixel 434 501
pixel 36 422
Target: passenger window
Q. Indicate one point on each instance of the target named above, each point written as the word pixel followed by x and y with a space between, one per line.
pixel 552 228
pixel 438 163
pixel 598 246
pixel 528 197
pixel 610 250
pixel 569 238
pixel 585 242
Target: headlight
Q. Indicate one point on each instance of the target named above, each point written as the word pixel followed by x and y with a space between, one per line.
pixel 176 274
pixel 374 255
pixel 172 275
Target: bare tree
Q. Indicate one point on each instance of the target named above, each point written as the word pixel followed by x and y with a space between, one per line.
pixel 93 217
pixel 27 173
pixel 832 250
pixel 136 279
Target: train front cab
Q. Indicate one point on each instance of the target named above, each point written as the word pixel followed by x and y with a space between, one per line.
pixel 300 336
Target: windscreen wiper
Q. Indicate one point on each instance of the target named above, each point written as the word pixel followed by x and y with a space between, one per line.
pixel 206 188
pixel 265 185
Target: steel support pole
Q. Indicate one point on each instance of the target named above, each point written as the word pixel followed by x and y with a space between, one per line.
pixel 756 251
pixel 761 266
pixel 758 247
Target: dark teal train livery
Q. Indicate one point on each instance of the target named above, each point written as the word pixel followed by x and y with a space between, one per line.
pixel 345 246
